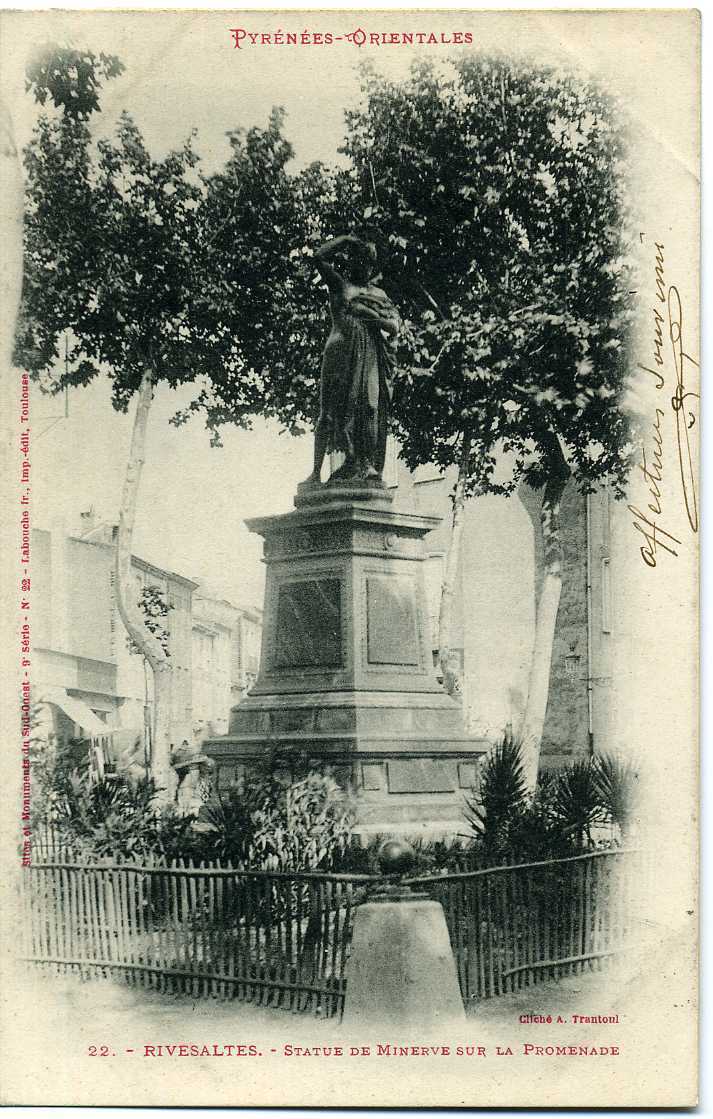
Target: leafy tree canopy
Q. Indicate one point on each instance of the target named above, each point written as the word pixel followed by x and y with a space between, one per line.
pixel 257 227
pixel 496 191
pixel 495 194
pixel 145 263
pixel 70 78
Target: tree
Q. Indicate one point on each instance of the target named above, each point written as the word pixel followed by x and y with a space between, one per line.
pixel 259 227
pixel 126 255
pixel 154 607
pixel 497 193
pixel 71 79
pixel 494 196
pixel 107 262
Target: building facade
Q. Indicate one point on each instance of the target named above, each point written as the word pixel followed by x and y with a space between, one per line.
pixel 84 667
pixel 226 655
pixel 497 588
pixel 88 680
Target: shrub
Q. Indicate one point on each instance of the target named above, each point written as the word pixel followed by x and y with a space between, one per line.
pixel 576 806
pixel 272 825
pixel 228 826
pixel 502 797
pixel 618 789
pixel 568 804
pixel 112 817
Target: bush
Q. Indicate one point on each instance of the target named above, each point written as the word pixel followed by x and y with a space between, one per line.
pixel 575 803
pixel 497 811
pixel 112 817
pixel 271 825
pixel 618 787
pixel 560 819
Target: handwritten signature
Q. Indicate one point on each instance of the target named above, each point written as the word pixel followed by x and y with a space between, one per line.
pixel 685 418
pixel 647 522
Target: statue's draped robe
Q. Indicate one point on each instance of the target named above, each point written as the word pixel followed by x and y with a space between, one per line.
pixel 357 380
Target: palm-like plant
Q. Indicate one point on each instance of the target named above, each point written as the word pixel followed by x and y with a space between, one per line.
pixel 617 785
pixel 501 798
pixel 230 825
pixel 576 806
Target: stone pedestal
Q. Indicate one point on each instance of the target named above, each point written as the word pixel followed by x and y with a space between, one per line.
pixel 346 670
pixel 401 973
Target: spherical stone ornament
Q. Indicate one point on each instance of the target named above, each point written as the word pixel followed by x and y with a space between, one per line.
pixel 396 857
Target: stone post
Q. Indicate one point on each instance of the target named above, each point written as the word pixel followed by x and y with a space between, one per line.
pixel 401 972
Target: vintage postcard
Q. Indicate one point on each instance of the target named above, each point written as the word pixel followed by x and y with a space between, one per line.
pixel 351 424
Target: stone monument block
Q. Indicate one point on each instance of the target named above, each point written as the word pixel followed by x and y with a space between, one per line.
pixel 346 671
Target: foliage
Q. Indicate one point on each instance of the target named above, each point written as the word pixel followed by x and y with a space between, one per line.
pixel 267 824
pixel 70 78
pixel 148 263
pixel 618 790
pixel 307 827
pixel 108 239
pixel 154 608
pixel 259 225
pixel 271 824
pixel 536 833
pixel 569 804
pixel 502 796
pixel 575 805
pixel 496 192
pixel 51 762
pixel 229 825
pixel 113 818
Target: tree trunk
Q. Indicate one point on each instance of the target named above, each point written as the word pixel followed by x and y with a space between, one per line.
pixel 445 618
pixel 146 642
pixel 546 619
pixel 148 728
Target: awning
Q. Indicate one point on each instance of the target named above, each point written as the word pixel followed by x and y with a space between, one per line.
pixel 76 710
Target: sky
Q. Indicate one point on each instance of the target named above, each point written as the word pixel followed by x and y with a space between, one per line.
pixel 183 72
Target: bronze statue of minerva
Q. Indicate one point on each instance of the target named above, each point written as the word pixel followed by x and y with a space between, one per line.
pixel 358 363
